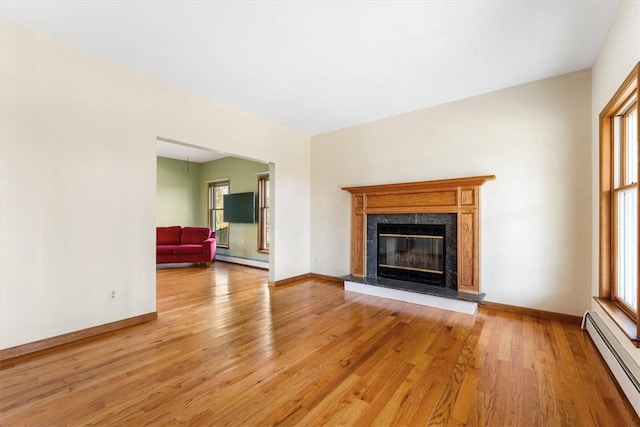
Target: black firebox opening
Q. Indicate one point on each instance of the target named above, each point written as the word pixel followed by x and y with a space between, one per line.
pixel 412 252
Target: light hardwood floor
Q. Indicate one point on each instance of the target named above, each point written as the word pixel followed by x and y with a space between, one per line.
pixel 228 350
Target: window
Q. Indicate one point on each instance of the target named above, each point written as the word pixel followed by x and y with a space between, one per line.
pixel 625 207
pixel 216 212
pixel 263 213
pixel 619 203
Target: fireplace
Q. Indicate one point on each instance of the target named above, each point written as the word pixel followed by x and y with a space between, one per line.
pixel 412 252
pixel 452 202
pixel 443 225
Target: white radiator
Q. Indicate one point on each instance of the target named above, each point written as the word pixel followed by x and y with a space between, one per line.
pixel 623 367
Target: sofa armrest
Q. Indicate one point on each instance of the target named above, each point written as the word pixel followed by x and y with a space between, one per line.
pixel 209 249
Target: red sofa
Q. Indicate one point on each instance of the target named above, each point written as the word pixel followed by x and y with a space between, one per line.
pixel 188 244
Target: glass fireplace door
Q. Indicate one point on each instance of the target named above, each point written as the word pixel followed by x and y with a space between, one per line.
pixel 414 254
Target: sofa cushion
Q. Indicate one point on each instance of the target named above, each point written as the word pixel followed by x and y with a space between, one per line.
pixel 187 249
pixel 168 235
pixel 194 235
pixel 164 249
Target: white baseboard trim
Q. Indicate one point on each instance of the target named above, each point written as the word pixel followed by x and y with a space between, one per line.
pixel 243 261
pixel 414 298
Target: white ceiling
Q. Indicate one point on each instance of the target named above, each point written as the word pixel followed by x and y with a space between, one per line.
pixel 320 66
pixel 178 151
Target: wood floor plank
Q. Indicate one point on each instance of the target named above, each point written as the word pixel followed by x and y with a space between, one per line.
pixel 226 349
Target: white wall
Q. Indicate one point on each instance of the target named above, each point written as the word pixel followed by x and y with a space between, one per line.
pixel 617 56
pixel 536 217
pixel 77 189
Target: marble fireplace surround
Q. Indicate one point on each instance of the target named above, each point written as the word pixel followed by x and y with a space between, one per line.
pixel 458 196
pixel 448 220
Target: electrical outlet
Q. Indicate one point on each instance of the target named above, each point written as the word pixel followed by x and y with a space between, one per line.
pixel 112 295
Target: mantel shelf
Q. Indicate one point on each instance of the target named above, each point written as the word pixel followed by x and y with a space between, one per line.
pixel 407 187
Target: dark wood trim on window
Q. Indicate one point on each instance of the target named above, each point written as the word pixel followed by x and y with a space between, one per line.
pixel 263 209
pixel 210 209
pixel 619 311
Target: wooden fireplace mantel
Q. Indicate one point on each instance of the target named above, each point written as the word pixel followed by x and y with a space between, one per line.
pixel 458 195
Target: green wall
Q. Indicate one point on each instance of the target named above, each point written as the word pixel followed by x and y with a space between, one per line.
pixel 178 199
pixel 182 197
pixel 242 176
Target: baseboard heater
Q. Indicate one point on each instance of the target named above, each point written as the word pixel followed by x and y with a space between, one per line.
pixel 243 261
pixel 624 368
